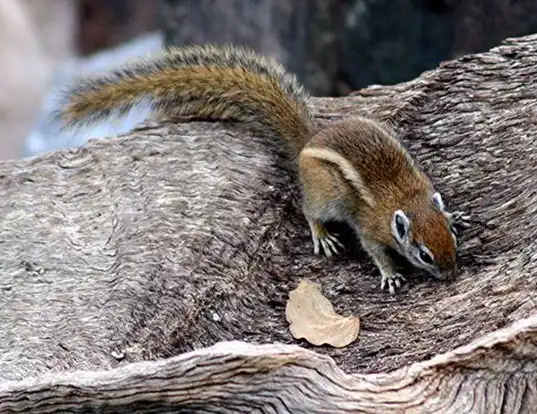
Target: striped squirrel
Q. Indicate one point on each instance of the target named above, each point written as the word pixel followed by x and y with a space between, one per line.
pixel 354 170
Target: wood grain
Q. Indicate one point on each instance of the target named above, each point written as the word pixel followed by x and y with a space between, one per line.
pixel 497 373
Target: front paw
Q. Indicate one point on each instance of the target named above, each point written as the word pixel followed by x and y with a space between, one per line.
pixel 460 218
pixel 329 242
pixel 393 282
pixel 322 238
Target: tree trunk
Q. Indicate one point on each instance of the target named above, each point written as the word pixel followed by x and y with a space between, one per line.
pixel 387 42
pixel 177 237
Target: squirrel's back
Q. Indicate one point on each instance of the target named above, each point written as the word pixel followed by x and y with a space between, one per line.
pixel 371 147
pixel 205 82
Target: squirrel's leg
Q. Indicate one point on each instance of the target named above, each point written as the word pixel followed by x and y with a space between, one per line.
pixel 322 195
pixel 389 275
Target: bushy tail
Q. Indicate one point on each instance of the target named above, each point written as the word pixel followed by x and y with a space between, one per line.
pixel 206 82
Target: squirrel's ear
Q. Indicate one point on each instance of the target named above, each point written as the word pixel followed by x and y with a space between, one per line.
pixel 400 226
pixel 438 202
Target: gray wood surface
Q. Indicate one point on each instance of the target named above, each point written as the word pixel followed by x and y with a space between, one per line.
pixel 180 236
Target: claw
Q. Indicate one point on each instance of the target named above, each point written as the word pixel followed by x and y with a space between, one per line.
pixel 330 244
pixel 322 238
pixel 328 247
pixel 392 281
pixel 460 218
pixel 316 245
pixel 335 238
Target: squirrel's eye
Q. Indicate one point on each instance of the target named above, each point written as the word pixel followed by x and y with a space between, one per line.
pixel 425 257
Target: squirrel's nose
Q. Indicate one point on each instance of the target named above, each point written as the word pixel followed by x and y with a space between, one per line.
pixel 451 273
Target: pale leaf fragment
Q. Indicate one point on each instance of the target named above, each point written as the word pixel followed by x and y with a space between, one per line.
pixel 311 316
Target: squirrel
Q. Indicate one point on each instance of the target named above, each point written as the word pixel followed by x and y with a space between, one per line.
pixel 354 170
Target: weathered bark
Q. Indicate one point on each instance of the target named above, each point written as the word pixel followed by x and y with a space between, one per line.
pixel 180 236
pixel 235 377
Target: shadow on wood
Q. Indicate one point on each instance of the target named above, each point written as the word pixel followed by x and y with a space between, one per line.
pixel 181 236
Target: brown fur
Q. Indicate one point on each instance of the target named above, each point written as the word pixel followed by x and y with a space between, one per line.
pixel 392 179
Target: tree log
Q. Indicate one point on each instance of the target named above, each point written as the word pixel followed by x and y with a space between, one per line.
pixel 492 374
pixel 180 236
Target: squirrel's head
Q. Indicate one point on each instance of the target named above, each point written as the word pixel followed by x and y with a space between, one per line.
pixel 424 235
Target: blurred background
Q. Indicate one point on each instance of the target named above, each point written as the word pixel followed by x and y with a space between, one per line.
pixel 334 46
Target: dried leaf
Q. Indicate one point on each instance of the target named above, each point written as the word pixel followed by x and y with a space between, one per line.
pixel 311 316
